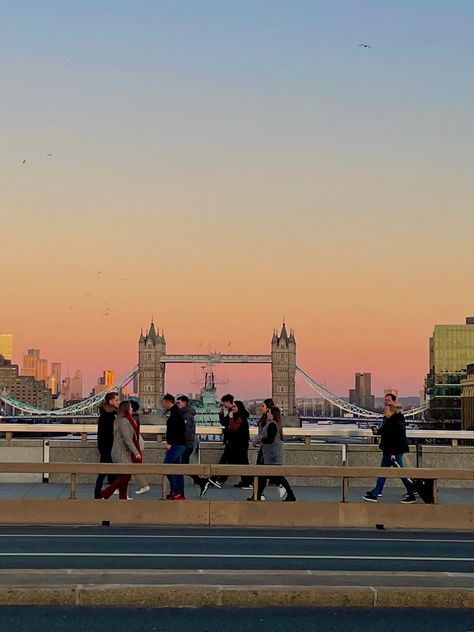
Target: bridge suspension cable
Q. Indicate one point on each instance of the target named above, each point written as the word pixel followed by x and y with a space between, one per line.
pixel 73 409
pixel 346 406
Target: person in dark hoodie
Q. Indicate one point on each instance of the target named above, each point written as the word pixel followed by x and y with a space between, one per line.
pixel 105 437
pixel 189 415
pixel 175 445
pixel 394 445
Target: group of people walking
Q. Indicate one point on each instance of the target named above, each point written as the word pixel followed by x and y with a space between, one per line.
pixel 119 441
pixel 234 420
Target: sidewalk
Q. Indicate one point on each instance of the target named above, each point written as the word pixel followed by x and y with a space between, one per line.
pixel 447 496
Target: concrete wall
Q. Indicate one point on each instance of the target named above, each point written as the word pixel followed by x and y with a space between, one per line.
pixel 21 450
pixel 448 457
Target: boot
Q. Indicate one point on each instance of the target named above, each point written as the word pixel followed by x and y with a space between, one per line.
pixel 290 497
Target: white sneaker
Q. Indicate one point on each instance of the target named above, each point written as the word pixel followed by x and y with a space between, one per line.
pixel 281 491
pixel 142 490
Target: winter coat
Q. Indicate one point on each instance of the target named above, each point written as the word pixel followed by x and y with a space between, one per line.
pixel 272 444
pixel 189 414
pixel 123 447
pixel 105 428
pixel 393 435
pixel 175 427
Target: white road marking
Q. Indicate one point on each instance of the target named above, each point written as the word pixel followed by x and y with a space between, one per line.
pixel 230 537
pixel 246 556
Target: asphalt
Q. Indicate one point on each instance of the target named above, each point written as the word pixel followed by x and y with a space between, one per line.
pixel 234 550
pixel 34 619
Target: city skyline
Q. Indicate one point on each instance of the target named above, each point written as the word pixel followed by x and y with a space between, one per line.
pixel 185 378
pixel 232 164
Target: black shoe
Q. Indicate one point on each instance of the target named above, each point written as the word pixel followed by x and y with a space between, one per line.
pixel 290 498
pixel 409 499
pixel 370 497
pixel 204 485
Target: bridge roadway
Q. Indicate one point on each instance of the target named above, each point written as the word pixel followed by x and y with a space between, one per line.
pixel 27 619
pixel 238 555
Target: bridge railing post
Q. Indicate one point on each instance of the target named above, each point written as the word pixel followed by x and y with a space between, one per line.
pixel 345 490
pixel 73 494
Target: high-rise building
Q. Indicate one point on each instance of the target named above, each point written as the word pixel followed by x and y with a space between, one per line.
pixel 361 395
pixel 104 383
pixel 56 371
pixel 76 386
pixel 467 400
pixel 6 346
pixel 109 378
pixel 451 349
pixel 34 365
pixel 24 387
pixel 66 389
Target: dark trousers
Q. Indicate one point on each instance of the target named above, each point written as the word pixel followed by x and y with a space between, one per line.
pixel 275 480
pixel 105 457
pixel 186 456
pixel 175 455
pixel 235 455
pixel 387 462
pixel 121 483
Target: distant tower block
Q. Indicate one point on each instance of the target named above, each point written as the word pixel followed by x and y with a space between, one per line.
pixel 151 369
pixel 283 371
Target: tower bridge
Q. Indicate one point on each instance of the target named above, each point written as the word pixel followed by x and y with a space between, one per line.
pixel 152 361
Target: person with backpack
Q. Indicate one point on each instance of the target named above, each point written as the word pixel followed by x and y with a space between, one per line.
pixel 394 445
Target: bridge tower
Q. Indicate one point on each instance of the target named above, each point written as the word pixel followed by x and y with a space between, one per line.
pixel 284 371
pixel 151 369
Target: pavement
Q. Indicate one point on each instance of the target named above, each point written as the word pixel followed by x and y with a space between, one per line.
pixel 92 566
pixel 28 619
pixel 447 495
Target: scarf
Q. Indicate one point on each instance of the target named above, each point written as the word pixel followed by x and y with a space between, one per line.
pixel 136 435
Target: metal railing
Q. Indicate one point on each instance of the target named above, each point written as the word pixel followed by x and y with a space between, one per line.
pixel 345 473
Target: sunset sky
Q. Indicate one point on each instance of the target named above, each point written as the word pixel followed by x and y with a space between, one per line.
pixel 225 164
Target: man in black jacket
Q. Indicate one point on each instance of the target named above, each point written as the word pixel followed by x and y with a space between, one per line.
pixel 105 437
pixel 189 415
pixel 394 445
pixel 175 445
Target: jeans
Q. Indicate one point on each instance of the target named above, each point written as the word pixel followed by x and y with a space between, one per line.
pixel 175 455
pixel 387 462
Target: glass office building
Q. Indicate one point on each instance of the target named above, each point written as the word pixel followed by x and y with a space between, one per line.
pixel 451 350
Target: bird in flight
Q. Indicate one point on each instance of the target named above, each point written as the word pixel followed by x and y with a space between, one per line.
pixel 49 155
pixel 100 272
pixel 24 162
pixel 365 45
